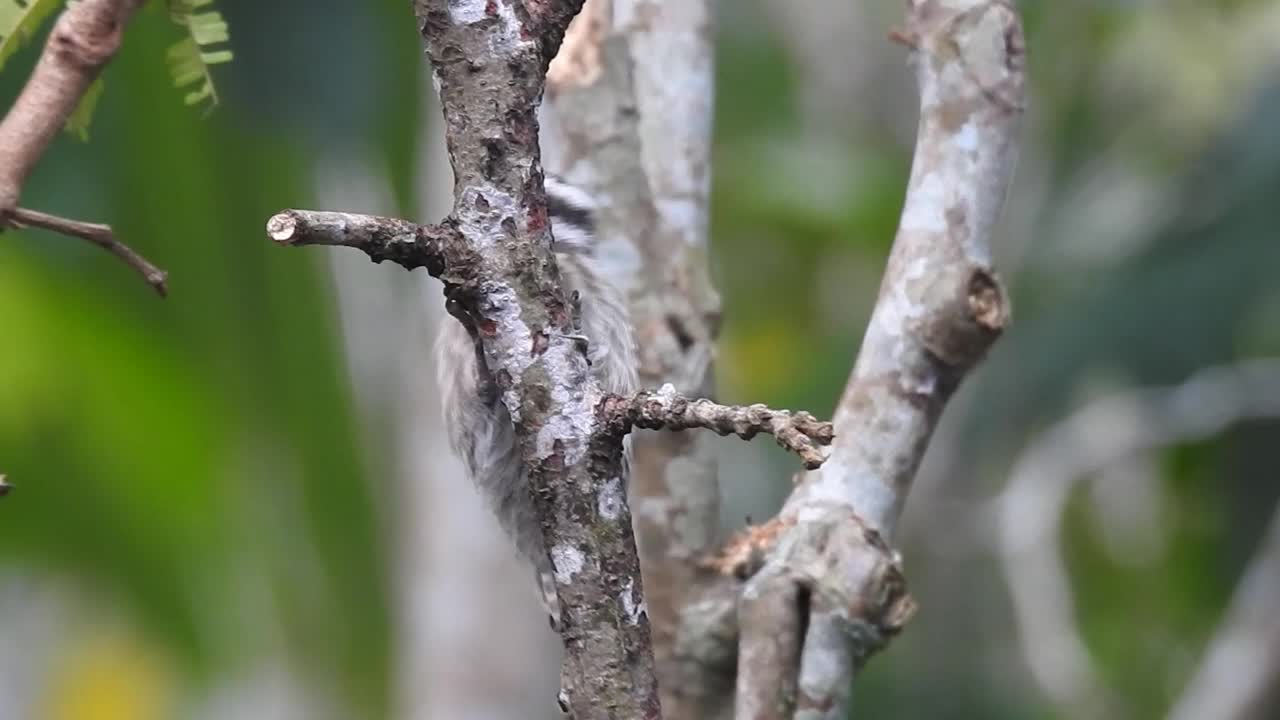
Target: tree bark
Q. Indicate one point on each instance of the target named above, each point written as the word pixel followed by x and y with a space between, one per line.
pixel 628 115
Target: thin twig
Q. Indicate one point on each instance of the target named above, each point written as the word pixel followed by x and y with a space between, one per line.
pixel 800 432
pixel 98 234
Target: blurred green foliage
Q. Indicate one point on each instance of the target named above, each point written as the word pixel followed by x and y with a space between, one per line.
pixel 196 462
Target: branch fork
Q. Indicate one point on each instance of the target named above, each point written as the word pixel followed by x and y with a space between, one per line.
pixel 829 591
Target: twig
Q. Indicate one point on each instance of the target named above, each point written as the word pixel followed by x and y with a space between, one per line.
pixel 800 432
pixel 382 238
pixel 1031 506
pixel 100 235
pixel 940 309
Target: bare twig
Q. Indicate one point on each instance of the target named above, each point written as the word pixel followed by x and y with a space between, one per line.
pixel 800 433
pixel 1102 433
pixel 939 310
pixel 100 235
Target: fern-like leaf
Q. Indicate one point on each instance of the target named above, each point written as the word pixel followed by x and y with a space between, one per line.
pixel 19 20
pixel 191 57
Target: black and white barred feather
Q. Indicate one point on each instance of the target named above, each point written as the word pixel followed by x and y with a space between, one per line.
pixel 480 429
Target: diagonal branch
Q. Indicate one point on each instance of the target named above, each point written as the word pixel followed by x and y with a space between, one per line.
pixel 940 309
pixel 83 40
pixel 100 235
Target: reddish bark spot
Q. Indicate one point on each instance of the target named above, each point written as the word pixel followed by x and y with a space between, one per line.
pixel 537 220
pixel 540 343
pixel 488 327
pixel 491 8
pixel 559 317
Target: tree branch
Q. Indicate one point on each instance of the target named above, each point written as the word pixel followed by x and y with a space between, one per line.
pixel 940 308
pixel 665 409
pixel 1242 664
pixel 405 243
pixel 629 116
pixel 489 60
pixel 100 235
pixel 83 40
pixel 1031 505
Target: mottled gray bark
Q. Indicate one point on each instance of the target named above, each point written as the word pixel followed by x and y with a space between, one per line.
pixel 825 590
pixel 629 116
pixel 489 60
pixel 823 565
pixel 940 308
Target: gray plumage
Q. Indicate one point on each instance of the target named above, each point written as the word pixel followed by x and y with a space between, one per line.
pixel 480 429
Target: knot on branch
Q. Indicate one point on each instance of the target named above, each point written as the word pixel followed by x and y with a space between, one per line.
pixel 841 561
pixel 664 408
pixel 967 320
pixel 830 594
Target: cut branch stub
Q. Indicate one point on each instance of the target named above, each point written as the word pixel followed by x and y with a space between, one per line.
pixel 382 238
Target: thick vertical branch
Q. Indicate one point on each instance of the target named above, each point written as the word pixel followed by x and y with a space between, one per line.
pixel 631 100
pixel 489 59
pixel 940 308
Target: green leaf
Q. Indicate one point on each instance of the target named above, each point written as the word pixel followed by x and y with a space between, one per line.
pixel 78 123
pixel 191 57
pixel 19 20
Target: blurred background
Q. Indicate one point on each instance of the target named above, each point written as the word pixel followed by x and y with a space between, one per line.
pixel 235 502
